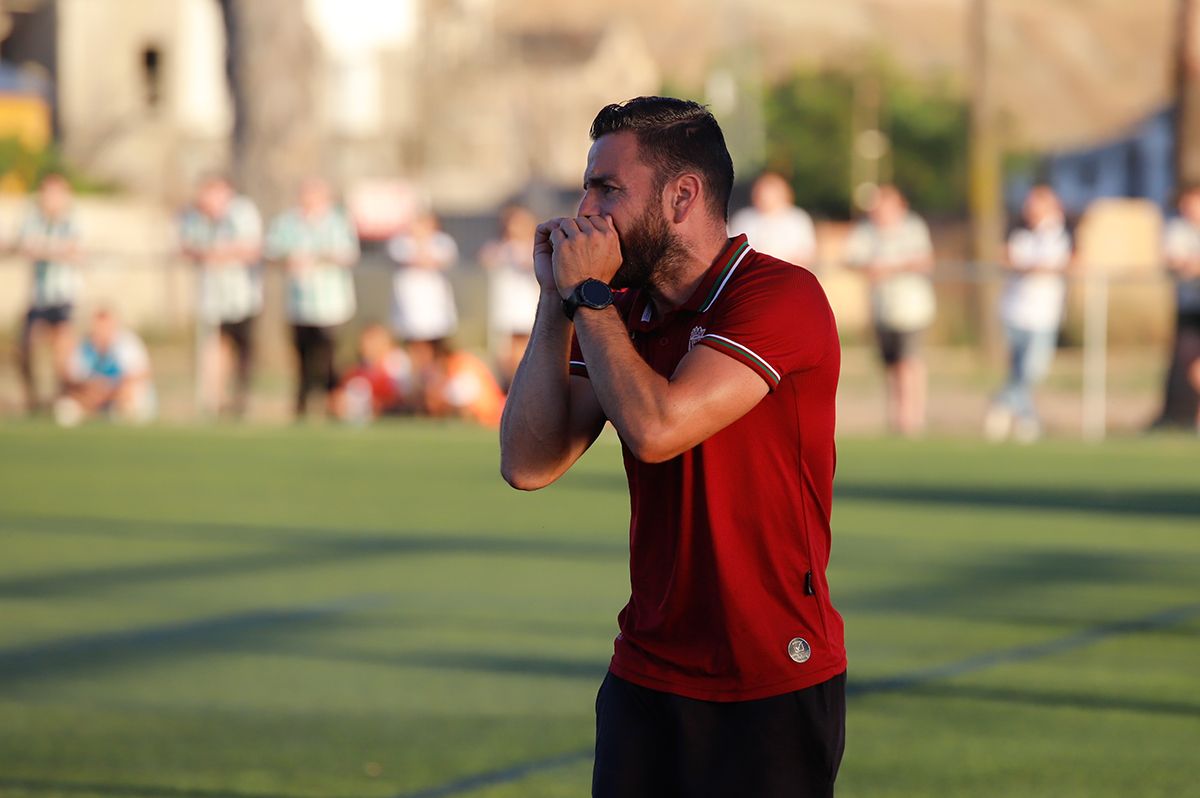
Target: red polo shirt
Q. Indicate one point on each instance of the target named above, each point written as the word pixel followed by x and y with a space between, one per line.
pixel 729 541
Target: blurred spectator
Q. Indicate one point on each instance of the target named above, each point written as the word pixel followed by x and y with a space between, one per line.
pixel 221 234
pixel 1031 308
pixel 774 225
pixel 49 238
pixel 380 384
pixel 893 249
pixel 317 246
pixel 1181 249
pixel 461 385
pixel 422 299
pixel 109 373
pixel 514 289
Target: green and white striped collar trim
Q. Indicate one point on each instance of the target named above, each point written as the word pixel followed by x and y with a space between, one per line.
pixel 737 252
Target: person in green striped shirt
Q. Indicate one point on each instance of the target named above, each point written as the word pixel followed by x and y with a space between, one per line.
pixel 317 245
pixel 221 235
pixel 49 238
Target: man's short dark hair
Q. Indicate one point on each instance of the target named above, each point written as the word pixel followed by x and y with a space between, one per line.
pixel 674 136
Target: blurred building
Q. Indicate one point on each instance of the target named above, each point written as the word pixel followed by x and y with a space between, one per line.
pixel 1138 164
pixel 461 96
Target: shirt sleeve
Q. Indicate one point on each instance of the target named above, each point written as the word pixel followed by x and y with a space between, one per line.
pixel 447 249
pixel 1021 249
pixel 1179 241
pixel 776 324
pixel 247 223
pixel 344 244
pixel 73 232
pixel 740 223
pixel 276 246
pixel 922 239
pixel 78 367
pixel 807 233
pixel 860 246
pixel 26 230
pixel 132 357
pixel 399 249
pixel 577 364
pixel 623 301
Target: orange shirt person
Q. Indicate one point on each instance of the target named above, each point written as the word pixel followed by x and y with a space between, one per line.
pixel 461 385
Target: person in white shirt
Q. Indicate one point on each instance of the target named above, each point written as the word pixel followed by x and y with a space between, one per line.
pixel 1181 251
pixel 893 249
pixel 424 315
pixel 1039 256
pixel 221 234
pixel 774 225
pixel 109 374
pixel 423 308
pixel 49 238
pixel 513 288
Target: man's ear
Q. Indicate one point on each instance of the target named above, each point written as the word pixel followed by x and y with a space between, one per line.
pixel 683 196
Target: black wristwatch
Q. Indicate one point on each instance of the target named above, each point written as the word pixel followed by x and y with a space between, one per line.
pixel 591 293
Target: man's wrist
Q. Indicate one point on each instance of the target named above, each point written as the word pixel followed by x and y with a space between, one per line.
pixel 589 294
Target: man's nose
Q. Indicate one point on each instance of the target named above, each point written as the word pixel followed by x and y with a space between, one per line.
pixel 588 206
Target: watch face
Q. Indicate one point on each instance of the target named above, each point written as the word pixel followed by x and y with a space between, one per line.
pixel 595 293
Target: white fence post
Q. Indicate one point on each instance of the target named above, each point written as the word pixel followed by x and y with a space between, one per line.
pixel 1095 356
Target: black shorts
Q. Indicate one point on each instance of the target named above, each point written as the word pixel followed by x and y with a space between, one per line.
pixel 895 346
pixel 53 315
pixel 239 333
pixel 651 744
pixel 1188 320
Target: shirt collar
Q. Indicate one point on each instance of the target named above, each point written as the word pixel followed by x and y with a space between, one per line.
pixel 643 315
pixel 717 275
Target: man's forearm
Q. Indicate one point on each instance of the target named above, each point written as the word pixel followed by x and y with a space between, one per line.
pixel 633 395
pixel 535 430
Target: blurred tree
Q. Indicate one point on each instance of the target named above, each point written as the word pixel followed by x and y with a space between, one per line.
pixel 271 55
pixel 1187 93
pixel 928 130
pixel 808 139
pixel 810 130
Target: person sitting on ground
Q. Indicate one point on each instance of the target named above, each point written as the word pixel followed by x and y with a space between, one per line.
pixel 460 385
pixel 380 384
pixel 109 374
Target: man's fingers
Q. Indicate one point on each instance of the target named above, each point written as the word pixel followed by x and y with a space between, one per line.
pixel 571 227
pixel 599 223
pixel 546 228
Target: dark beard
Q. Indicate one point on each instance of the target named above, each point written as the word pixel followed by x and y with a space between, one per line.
pixel 651 253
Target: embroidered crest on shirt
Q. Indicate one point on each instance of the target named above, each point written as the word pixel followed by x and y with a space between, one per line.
pixel 697 333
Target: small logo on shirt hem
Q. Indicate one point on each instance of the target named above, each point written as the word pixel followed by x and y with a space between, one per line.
pixel 697 333
pixel 799 649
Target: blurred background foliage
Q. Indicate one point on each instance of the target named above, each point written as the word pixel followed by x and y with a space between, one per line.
pixel 810 129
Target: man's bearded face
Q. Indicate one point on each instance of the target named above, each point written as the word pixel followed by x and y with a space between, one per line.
pixel 650 250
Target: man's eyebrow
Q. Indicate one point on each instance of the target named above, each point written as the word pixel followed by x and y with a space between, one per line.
pixel 591 180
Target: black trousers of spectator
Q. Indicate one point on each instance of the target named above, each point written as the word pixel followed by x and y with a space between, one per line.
pixel 53 317
pixel 1180 399
pixel 314 355
pixel 240 335
pixel 651 744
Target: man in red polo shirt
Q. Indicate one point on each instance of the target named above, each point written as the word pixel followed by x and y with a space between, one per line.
pixel 718 367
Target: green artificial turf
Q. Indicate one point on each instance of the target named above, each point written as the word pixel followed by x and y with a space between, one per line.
pixel 192 613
